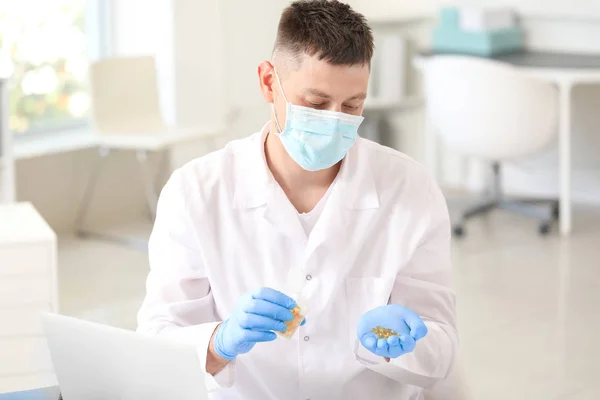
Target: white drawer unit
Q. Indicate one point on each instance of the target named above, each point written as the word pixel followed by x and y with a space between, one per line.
pixel 27 355
pixel 19 261
pixel 18 382
pixel 24 290
pixel 25 321
pixel 28 287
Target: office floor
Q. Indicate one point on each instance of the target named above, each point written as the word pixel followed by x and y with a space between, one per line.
pixel 528 307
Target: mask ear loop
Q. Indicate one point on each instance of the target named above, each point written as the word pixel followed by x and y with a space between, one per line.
pixel 279 130
pixel 276 121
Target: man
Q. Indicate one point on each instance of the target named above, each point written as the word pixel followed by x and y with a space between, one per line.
pixel 305 209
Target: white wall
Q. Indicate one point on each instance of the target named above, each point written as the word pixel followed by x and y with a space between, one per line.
pixel 185 37
pixel 378 10
pixel 196 52
pixel 249 30
pixel 580 10
pixel 141 27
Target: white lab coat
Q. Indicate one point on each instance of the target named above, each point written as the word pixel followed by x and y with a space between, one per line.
pixel 224 227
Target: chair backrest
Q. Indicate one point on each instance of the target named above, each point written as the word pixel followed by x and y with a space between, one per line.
pixel 125 96
pixel 488 109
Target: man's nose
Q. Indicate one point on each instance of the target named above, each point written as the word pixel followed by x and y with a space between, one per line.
pixel 335 107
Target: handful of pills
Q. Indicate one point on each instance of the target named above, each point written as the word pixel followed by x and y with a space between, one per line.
pixel 383 333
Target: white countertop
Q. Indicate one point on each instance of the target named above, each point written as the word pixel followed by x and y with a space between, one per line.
pixel 85 138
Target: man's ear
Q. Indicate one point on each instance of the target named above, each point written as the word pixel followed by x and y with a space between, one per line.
pixel 266 80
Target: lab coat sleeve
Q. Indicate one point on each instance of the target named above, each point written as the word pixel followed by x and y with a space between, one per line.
pixel 179 304
pixel 424 286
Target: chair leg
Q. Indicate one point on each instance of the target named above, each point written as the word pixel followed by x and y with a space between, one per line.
pixel 88 193
pixel 479 209
pixel 151 199
pixel 490 204
pixel 546 215
pixel 159 169
pixel 458 229
pixel 556 210
pixel 554 204
pixel 528 210
pixel 148 182
pixel 484 208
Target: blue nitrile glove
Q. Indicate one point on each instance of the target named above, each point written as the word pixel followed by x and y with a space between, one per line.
pixel 401 320
pixel 256 315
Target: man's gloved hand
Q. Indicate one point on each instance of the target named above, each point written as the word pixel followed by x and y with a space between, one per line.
pixel 406 323
pixel 256 315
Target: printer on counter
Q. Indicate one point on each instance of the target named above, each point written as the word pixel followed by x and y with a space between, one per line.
pixel 477 31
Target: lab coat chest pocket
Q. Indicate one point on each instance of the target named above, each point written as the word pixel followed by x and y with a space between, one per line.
pixel 364 294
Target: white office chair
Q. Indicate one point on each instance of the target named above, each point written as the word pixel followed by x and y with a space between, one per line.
pixel 493 112
pixel 126 116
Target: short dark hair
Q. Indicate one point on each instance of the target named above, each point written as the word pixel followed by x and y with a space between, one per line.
pixel 329 29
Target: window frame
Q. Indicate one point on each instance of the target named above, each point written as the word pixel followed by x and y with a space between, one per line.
pixel 98 31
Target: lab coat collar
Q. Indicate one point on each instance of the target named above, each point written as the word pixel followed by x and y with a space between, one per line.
pixel 355 188
pixel 355 183
pixel 254 181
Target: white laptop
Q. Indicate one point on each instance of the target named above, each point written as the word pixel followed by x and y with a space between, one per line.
pixel 97 362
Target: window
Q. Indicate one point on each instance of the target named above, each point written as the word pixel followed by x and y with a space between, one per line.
pixel 45 48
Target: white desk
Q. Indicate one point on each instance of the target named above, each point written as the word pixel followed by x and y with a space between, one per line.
pixel 158 141
pixel 565 71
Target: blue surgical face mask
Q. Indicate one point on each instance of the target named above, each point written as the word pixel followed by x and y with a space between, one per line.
pixel 316 139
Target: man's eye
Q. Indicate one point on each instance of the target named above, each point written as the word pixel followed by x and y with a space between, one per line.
pixel 349 107
pixel 316 105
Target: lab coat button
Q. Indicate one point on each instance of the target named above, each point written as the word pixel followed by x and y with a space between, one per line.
pixel 306 338
pixel 308 277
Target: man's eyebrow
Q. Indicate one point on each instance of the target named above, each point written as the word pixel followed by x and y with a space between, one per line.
pixel 318 93
pixel 360 96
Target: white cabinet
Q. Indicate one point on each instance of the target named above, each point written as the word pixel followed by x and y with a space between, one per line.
pixel 28 286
